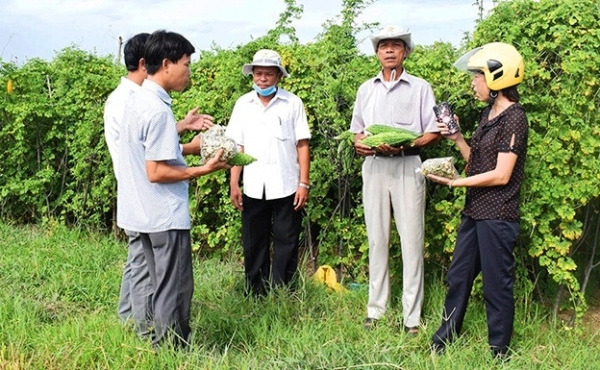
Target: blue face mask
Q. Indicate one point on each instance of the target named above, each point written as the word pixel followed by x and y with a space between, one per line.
pixel 264 92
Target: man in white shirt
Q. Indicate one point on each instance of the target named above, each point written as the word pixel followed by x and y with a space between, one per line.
pixel 270 124
pixel 152 179
pixel 390 183
pixel 135 300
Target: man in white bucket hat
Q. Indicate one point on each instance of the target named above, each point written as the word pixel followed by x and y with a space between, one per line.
pixel 390 183
pixel 265 58
pixel 394 33
pixel 270 124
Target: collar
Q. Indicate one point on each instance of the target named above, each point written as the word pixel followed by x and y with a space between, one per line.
pixel 496 120
pixel 158 90
pixel 129 83
pixel 403 77
pixel 279 94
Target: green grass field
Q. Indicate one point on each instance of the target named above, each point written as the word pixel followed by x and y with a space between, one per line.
pixel 59 290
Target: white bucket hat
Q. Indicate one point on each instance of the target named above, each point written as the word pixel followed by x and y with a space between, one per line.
pixel 265 58
pixel 393 33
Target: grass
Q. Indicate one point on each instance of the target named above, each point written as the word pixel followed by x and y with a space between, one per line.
pixel 59 291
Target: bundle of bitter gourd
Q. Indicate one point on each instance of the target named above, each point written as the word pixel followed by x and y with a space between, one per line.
pixel 384 134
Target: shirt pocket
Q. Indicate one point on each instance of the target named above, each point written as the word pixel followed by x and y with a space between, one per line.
pixel 284 129
pixel 403 114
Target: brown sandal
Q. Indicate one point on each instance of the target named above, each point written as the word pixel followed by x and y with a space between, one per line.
pixel 370 323
pixel 412 331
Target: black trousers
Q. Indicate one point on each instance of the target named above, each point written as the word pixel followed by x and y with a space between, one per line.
pixel 262 220
pixel 486 246
pixel 169 258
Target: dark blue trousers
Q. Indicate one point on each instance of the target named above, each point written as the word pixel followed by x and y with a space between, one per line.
pixel 261 220
pixel 486 246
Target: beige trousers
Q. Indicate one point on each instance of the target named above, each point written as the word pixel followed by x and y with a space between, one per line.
pixel 390 184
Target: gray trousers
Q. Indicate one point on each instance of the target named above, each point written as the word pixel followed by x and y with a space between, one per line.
pixel 135 300
pixel 390 184
pixel 169 258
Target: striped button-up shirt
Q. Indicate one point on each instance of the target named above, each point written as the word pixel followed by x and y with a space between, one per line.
pixel 407 102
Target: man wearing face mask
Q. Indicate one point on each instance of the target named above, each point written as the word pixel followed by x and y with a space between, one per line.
pixel 390 184
pixel 270 124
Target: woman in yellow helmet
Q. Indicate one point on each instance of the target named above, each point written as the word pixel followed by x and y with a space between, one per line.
pixel 490 219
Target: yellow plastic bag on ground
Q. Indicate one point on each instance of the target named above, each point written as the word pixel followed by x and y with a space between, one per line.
pixel 326 275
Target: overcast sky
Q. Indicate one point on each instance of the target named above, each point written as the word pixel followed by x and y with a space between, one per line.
pixel 40 28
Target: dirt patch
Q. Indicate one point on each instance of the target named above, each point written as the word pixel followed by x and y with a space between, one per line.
pixel 592 316
pixel 591 319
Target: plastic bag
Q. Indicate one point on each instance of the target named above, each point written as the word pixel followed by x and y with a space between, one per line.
pixel 214 139
pixel 443 167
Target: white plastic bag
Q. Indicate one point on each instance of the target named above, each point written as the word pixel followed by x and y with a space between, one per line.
pixel 443 167
pixel 214 139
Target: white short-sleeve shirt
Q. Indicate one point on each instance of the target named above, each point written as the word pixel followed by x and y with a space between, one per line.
pixel 113 114
pixel 148 132
pixel 271 135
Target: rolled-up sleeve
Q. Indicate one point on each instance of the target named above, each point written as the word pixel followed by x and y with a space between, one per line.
pixel 357 125
pixel 427 115
pixel 515 132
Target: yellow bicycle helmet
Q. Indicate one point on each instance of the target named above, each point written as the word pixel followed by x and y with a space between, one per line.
pixel 501 64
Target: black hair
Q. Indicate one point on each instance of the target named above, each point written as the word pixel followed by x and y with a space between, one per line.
pixel 163 45
pixel 134 51
pixel 511 93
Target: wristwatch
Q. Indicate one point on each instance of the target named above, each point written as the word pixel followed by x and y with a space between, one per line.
pixel 304 185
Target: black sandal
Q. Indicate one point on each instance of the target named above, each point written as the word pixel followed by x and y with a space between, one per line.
pixel 437 348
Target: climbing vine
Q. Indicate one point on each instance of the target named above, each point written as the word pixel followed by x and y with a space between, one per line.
pixel 56 167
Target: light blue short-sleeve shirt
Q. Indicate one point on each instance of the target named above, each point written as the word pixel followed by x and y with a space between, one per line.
pixel 149 133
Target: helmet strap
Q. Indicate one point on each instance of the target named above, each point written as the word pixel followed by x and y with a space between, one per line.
pixel 493 96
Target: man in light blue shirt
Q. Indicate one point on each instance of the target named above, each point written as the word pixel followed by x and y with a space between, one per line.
pixel 152 175
pixel 135 300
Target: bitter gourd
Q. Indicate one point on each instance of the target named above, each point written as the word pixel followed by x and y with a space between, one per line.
pixel 380 128
pixel 241 159
pixel 392 138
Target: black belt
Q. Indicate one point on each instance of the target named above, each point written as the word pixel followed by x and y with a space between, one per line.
pixel 403 153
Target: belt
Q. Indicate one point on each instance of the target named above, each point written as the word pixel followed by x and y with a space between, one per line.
pixel 403 153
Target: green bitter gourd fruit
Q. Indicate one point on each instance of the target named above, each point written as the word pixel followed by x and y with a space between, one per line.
pixel 241 159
